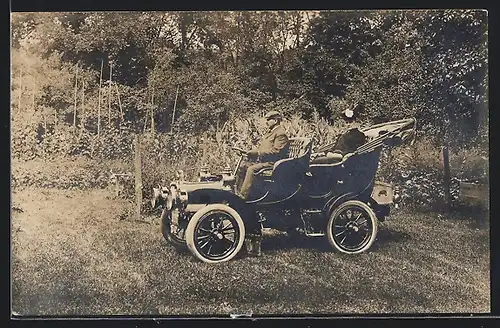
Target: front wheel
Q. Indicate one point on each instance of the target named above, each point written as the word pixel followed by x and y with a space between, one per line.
pixel 215 233
pixel 173 233
pixel 352 227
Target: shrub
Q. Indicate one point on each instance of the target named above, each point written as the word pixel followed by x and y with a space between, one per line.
pixel 416 170
pixel 470 163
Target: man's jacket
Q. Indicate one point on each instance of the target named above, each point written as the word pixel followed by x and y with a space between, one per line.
pixel 273 146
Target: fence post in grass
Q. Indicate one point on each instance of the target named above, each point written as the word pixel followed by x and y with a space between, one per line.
pixel 138 176
pixel 152 109
pixel 446 178
pixel 110 90
pixel 82 110
pixel 76 92
pixel 99 102
pixel 119 101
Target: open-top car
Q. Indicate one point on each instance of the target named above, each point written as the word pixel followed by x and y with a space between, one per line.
pixel 328 193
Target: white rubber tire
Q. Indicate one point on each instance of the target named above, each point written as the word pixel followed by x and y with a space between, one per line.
pixel 193 222
pixel 372 216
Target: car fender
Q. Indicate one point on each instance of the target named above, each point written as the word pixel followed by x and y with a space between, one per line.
pixel 202 197
pixel 336 201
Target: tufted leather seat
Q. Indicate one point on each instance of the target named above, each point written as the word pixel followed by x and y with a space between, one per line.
pixel 297 162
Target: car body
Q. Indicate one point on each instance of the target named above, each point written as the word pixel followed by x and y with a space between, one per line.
pixel 307 193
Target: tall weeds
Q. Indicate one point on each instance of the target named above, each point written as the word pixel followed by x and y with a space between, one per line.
pixel 416 169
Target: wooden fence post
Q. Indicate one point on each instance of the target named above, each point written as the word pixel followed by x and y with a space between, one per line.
pixel 446 178
pixel 83 106
pixel 138 176
pixel 99 102
pixel 119 101
pixel 76 92
pixel 110 64
pixel 152 109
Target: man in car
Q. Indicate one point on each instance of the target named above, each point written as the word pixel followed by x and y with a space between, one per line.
pixel 272 148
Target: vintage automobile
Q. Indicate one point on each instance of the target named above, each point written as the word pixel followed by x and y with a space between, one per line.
pixel 314 194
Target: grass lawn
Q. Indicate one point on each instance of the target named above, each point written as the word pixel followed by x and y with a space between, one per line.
pixel 72 255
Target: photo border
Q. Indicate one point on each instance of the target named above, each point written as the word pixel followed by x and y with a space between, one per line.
pixel 477 320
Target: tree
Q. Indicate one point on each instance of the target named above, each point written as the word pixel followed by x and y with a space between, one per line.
pixel 387 81
pixel 339 42
pixel 455 62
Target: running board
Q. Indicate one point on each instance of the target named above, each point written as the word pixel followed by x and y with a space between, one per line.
pixel 315 234
pixel 313 211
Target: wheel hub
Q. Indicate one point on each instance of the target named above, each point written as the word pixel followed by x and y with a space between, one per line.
pixel 217 234
pixel 353 226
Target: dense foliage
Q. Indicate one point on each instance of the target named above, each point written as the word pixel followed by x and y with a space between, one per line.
pixel 197 82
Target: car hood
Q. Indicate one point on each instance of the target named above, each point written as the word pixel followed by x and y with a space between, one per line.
pixel 190 186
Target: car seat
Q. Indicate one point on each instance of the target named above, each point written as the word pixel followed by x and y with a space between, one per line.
pixel 295 165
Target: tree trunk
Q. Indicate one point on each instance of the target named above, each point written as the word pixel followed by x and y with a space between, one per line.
pixel 273 83
pixel 99 102
pixel 183 31
pixel 446 177
pixel 110 91
pixel 76 91
pixel 283 45
pixel 138 177
pixel 44 133
pixel 204 148
pixel 146 118
pixel 33 100
pixel 83 107
pixel 152 109
pixel 173 112
pixel 119 102
pixel 297 29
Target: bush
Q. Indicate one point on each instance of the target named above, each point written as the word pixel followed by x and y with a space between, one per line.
pixel 80 173
pixel 416 170
pixel 470 163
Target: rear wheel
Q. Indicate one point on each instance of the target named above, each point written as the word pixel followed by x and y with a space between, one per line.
pixel 352 227
pixel 215 233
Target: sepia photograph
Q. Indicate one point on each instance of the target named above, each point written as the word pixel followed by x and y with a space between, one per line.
pixel 249 163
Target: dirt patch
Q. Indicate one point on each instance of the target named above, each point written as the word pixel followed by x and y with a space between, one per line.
pixel 74 255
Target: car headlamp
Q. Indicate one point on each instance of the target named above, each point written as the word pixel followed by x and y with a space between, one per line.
pixel 156 200
pixel 171 198
pixel 169 203
pixel 183 196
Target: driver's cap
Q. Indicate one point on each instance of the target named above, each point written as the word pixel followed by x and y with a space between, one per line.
pixel 273 114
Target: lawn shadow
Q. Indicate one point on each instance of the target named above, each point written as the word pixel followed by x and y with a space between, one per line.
pixel 177 250
pixel 387 236
pixel 478 216
pixel 284 241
